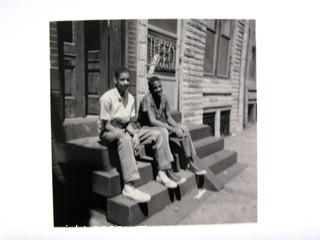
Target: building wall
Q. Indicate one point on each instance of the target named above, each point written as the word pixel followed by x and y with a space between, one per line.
pixel 142 84
pixel 238 73
pixel 191 76
pixel 169 83
pixel 56 104
pixel 131 53
pixel 197 92
pixel 200 93
pixel 54 59
pixel 250 80
pixel 227 94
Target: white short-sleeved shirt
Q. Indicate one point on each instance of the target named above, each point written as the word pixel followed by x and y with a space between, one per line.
pixel 115 107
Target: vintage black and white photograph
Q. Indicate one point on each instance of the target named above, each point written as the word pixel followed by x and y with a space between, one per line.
pixel 140 120
pixel 153 122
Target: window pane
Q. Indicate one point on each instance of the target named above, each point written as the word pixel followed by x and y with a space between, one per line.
pixel 223 57
pixel 92 35
pixel 226 27
pixel 209 52
pixel 65 31
pixel 252 70
pixel 165 24
pixel 165 46
pixel 211 24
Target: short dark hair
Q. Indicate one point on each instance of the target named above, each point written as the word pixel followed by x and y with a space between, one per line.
pixel 121 70
pixel 153 79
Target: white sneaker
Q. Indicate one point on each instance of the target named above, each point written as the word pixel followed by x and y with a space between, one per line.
pixel 163 179
pixel 135 194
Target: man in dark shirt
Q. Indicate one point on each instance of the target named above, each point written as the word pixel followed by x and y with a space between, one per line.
pixel 155 111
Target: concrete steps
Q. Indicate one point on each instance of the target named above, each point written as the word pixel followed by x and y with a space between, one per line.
pixel 125 212
pixel 208 145
pixel 231 172
pixel 215 164
pixel 204 145
pixel 108 183
pixel 221 166
pixel 198 131
pixel 219 161
pixel 90 152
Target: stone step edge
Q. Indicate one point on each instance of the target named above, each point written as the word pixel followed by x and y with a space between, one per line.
pixel 207 140
pixel 213 160
pixel 155 189
pixel 100 175
pixel 231 173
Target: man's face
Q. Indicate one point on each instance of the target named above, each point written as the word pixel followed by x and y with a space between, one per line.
pixel 122 83
pixel 156 89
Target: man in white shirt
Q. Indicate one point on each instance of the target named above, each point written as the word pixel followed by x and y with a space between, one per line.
pixel 117 107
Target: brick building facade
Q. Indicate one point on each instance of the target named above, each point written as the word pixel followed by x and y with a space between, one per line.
pixel 207 67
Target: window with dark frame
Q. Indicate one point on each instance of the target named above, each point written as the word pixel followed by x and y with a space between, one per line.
pixel 209 119
pixel 252 66
pixel 217 51
pixel 162 38
pixel 225 123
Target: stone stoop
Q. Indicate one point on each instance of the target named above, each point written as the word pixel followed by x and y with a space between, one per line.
pixel 199 131
pixel 221 166
pixel 108 183
pixel 208 146
pixel 125 212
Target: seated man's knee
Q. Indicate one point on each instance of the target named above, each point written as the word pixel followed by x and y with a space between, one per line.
pixel 155 135
pixel 184 127
pixel 124 138
pixel 164 131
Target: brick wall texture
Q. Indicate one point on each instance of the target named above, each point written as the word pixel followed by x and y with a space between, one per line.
pixel 192 58
pixel 197 92
pixel 141 58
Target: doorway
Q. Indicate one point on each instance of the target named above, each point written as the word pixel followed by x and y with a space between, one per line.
pixel 89 53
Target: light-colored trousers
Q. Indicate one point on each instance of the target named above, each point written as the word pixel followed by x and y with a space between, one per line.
pixel 157 137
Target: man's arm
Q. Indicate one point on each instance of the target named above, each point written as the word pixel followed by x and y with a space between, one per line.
pixel 170 120
pixel 154 122
pixel 178 130
pixel 107 126
pixel 134 135
pixel 171 125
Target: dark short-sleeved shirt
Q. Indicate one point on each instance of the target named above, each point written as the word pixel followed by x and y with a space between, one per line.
pixel 147 103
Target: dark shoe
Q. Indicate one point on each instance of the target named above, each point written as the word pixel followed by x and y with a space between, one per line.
pixel 195 169
pixel 175 177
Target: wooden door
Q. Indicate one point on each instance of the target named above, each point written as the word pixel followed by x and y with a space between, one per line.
pixel 93 78
pixel 90 53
